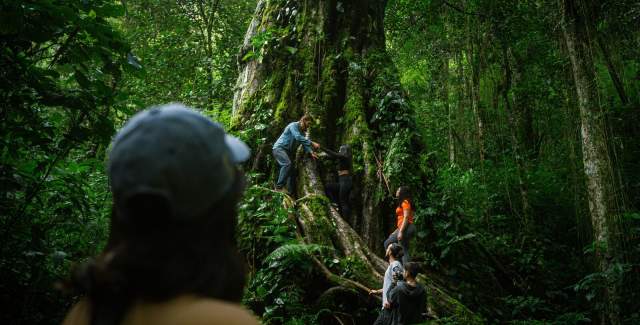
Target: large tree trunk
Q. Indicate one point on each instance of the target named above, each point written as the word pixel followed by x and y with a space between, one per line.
pixel 328 59
pixel 597 163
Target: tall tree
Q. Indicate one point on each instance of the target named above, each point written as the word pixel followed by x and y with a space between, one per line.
pixel 328 59
pixel 597 163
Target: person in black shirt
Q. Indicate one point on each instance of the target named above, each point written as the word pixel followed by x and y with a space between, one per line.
pixel 339 192
pixel 408 298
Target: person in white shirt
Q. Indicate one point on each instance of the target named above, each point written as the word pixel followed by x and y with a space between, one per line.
pixel 393 273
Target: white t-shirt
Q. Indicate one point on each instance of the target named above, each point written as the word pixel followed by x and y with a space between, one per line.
pixel 394 267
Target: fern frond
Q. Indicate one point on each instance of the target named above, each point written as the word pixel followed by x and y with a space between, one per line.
pixel 294 252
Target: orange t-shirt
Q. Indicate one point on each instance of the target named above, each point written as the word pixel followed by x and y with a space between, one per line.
pixel 400 212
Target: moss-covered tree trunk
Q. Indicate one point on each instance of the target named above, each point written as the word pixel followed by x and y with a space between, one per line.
pixel 328 59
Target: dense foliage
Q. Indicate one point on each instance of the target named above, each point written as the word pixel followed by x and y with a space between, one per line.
pixel 504 215
pixel 494 96
pixel 70 73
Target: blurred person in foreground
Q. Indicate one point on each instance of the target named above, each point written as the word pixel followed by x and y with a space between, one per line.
pixel 171 257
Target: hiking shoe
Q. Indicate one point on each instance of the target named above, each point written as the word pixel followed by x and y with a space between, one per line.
pixel 282 190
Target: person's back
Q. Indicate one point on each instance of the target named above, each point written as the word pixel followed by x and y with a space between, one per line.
pixel 408 298
pixel 409 303
pixel 185 310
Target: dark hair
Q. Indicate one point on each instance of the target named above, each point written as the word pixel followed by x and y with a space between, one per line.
pixel 412 268
pixel 306 118
pixel 405 194
pixel 151 256
pixel 397 251
pixel 345 150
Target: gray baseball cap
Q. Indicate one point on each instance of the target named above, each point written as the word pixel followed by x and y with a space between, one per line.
pixel 176 153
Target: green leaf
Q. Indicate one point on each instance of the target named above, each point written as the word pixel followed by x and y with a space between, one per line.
pixel 291 50
pixel 248 56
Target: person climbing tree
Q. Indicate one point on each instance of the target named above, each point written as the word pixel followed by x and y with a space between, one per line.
pixel 284 148
pixel 404 222
pixel 175 182
pixel 408 298
pixel 339 192
pixel 394 271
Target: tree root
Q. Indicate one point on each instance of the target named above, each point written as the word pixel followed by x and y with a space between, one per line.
pixel 346 240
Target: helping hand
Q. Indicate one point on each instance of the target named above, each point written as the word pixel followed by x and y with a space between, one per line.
pixel 399 235
pixel 314 155
pixel 315 145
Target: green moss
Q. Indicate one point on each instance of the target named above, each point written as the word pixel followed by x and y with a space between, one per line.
pixel 329 88
pixel 356 269
pixel 286 98
pixel 322 228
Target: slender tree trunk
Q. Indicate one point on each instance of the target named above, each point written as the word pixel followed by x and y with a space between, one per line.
pixel 597 163
pixel 615 77
pixel 461 104
pixel 473 56
pixel 445 99
pixel 512 76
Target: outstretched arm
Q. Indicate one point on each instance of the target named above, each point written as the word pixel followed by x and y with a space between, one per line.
pixel 306 143
pixel 331 153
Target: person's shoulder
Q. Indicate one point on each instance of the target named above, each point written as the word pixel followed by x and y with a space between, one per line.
pixel 293 124
pixel 206 311
pixel 78 315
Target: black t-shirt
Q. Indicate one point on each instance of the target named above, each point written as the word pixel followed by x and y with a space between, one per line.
pixel 344 161
pixel 408 303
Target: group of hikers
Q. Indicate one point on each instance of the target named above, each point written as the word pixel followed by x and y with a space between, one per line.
pixel 403 299
pixel 176 179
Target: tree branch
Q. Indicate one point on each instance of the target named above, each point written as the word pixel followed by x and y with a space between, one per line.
pixel 462 11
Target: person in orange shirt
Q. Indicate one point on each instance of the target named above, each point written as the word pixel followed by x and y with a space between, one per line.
pixel 404 222
pixel 171 257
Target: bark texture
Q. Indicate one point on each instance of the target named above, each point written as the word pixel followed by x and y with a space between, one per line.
pixel 597 163
pixel 327 58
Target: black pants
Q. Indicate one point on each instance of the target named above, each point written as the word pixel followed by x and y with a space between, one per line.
pixel 409 231
pixel 384 318
pixel 340 192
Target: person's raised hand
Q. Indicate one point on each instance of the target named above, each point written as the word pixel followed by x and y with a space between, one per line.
pixel 315 145
pixel 399 235
pixel 387 305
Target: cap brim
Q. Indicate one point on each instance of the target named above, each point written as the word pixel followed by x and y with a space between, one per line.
pixel 240 152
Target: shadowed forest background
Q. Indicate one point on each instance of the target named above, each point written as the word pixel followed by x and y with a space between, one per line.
pixel 516 123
